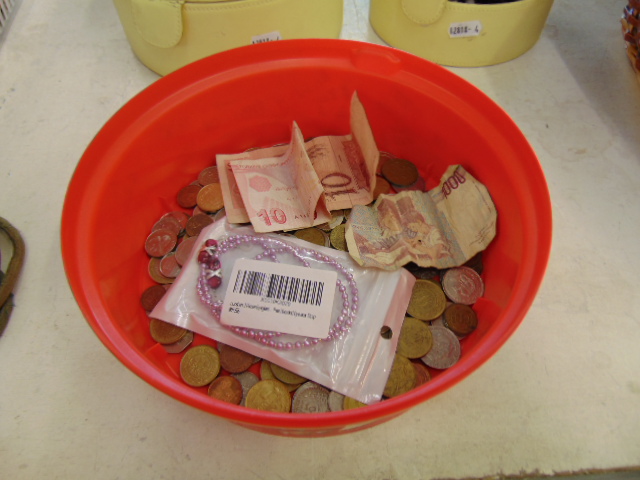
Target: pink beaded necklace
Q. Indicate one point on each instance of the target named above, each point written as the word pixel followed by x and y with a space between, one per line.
pixel 210 278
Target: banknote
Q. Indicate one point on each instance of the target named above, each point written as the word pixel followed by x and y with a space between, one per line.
pixel 345 166
pixel 281 192
pixel 441 228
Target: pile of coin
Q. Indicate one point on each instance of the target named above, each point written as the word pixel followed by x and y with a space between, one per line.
pixel 438 317
pixel 631 33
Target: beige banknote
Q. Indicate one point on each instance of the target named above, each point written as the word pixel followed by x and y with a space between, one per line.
pixel 441 228
pixel 281 192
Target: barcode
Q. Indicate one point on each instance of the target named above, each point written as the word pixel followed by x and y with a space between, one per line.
pixel 279 287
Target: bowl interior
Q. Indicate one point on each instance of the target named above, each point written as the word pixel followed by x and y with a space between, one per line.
pixel 159 141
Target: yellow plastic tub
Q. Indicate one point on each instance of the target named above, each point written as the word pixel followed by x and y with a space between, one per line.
pixel 460 34
pixel 168 34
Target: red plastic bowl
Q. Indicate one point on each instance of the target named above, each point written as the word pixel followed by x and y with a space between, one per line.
pixel 160 140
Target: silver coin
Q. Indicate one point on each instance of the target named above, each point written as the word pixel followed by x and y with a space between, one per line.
pixel 247 380
pixel 181 344
pixel 311 399
pixel 219 214
pixel 462 285
pixel 304 386
pixel 445 351
pixel 336 401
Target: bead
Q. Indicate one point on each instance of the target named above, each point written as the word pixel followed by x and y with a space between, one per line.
pixel 214 282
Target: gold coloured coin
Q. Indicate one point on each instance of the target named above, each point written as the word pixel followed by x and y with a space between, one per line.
pixel 155 274
pixel 209 198
pixel 266 373
pixel 428 301
pixel 269 395
pixel 415 339
pixel 287 376
pixel 180 345
pixel 337 237
pixel 313 235
pixel 166 333
pixel 402 377
pixel 351 403
pixel 200 365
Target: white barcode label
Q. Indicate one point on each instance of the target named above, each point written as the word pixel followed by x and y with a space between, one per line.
pixel 279 297
pixel 266 37
pixel 465 29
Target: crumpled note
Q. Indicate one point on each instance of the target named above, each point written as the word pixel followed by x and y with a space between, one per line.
pixel 441 228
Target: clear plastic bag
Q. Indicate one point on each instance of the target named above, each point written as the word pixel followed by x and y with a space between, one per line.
pixel 356 363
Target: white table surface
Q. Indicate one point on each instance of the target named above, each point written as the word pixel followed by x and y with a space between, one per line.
pixel 563 394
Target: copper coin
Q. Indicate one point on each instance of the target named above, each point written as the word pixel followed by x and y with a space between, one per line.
pixel 402 377
pixel 460 319
pixel 181 344
pixel 185 247
pixel 197 211
pixel 382 187
pixel 226 388
pixel 269 395
pixel 400 172
pixel 170 223
pixel 210 198
pixel 383 158
pixel 422 373
pixel 463 285
pixel 155 274
pixel 419 185
pixel 197 223
pixel 169 265
pixel 200 365
pixel 182 217
pixel 160 242
pixel 234 360
pixel 314 399
pixel 165 333
pixel 445 352
pixel 188 196
pixel 209 175
pixel 151 296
